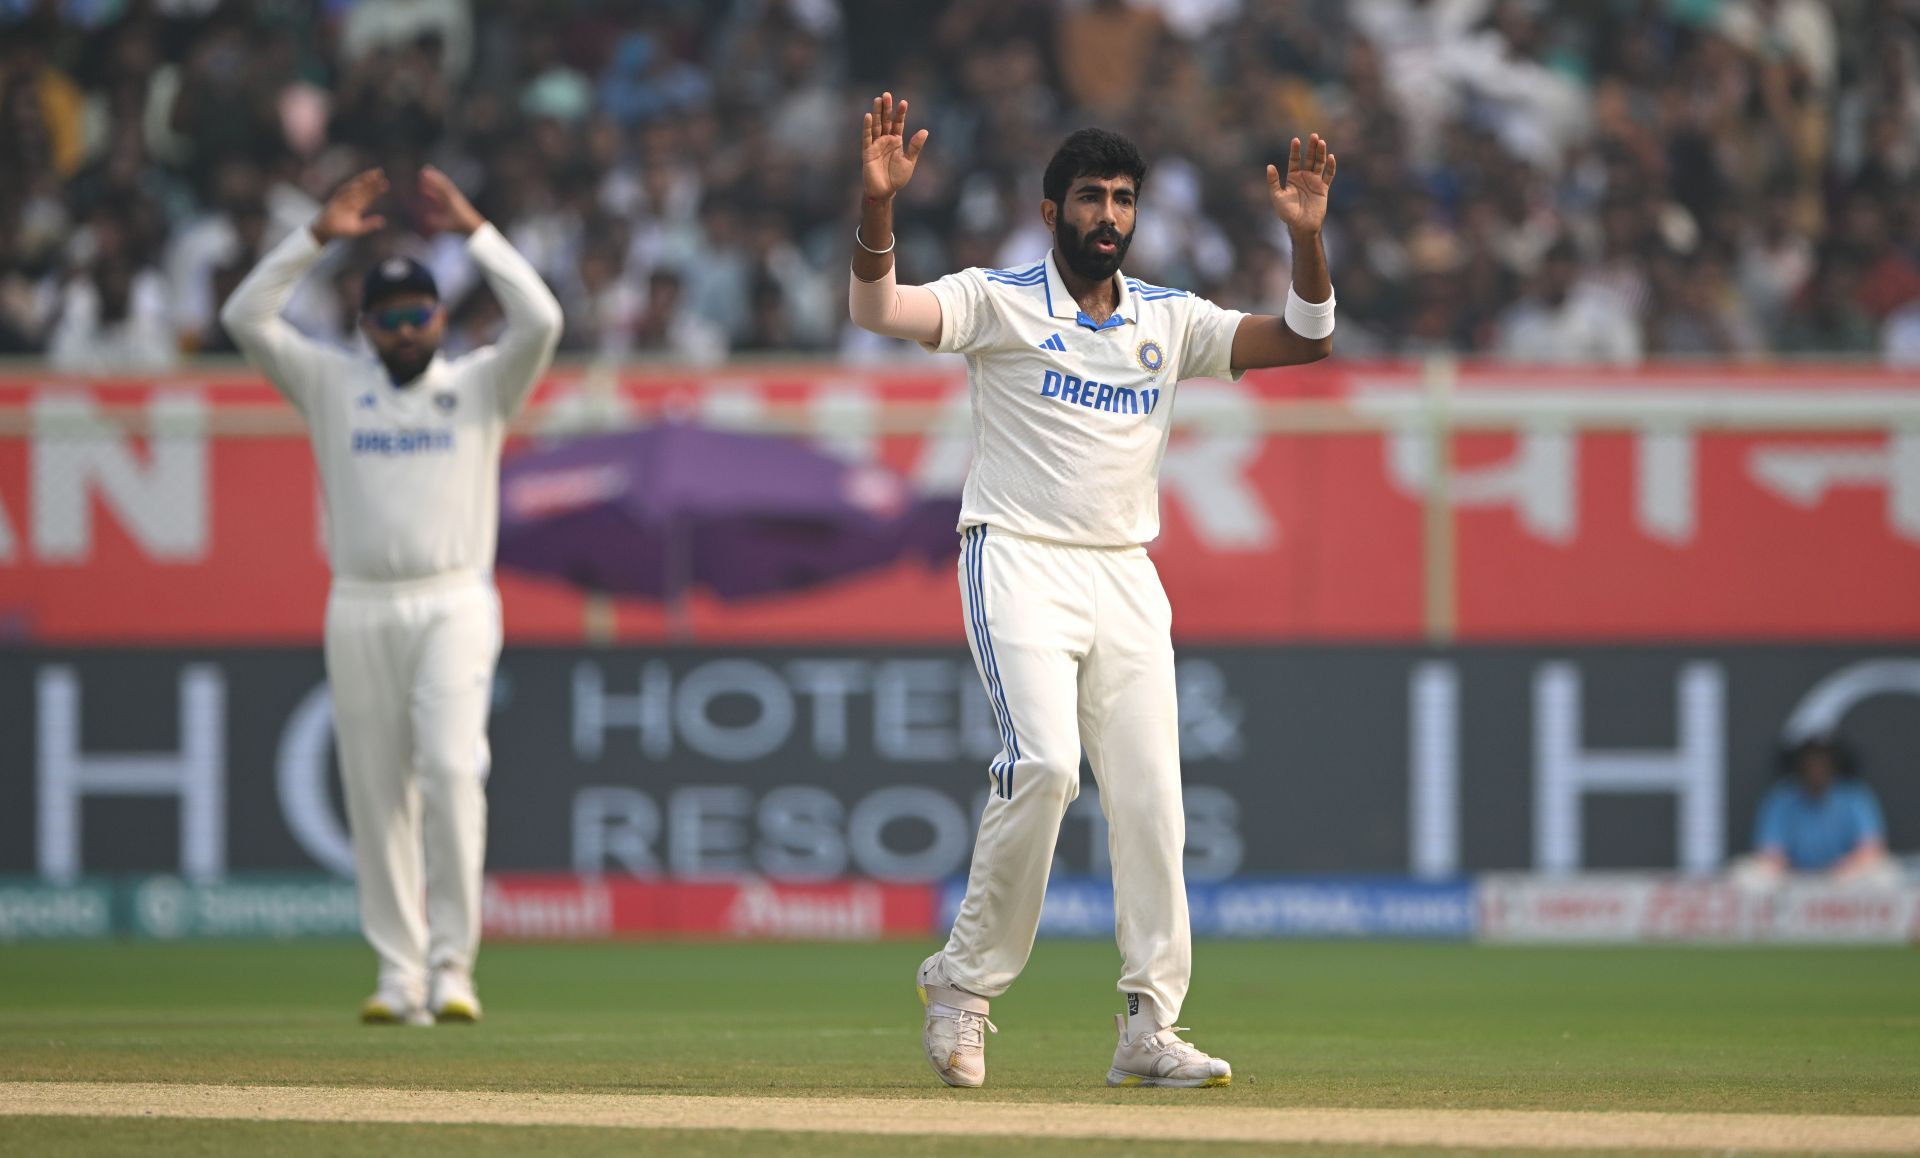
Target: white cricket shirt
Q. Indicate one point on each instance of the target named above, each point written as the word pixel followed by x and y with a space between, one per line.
pixel 411 473
pixel 1070 420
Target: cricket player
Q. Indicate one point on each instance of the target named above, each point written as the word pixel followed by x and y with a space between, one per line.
pixel 408 448
pixel 1072 369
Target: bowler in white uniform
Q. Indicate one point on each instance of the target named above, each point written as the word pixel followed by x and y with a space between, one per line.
pixel 408 449
pixel 1072 368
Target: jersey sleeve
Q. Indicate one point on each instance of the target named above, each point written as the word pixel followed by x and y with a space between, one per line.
pixel 968 321
pixel 514 363
pixel 1209 344
pixel 291 361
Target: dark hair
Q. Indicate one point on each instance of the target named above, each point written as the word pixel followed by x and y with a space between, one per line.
pixel 1092 153
pixel 1828 744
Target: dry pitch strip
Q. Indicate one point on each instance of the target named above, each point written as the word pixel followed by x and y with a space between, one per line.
pixel 953 1116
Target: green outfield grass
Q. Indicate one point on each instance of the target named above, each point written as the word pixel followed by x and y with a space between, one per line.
pixel 1364 1025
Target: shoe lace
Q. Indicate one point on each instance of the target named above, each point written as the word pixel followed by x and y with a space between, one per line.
pixel 967 1026
pixel 1180 1049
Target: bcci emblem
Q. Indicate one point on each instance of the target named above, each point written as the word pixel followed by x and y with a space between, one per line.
pixel 445 401
pixel 1151 356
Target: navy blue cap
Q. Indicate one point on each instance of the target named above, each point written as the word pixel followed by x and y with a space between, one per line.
pixel 396 276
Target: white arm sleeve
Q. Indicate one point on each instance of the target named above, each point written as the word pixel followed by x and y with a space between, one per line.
pixel 252 318
pixel 524 351
pixel 894 311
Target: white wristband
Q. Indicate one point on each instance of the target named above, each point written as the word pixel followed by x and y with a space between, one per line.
pixel 1309 319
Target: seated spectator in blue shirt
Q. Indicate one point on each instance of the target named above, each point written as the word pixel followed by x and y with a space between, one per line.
pixel 1820 819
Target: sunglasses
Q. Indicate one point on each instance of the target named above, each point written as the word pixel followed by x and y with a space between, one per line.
pixel 397 316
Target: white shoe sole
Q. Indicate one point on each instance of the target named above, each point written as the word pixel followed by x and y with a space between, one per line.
pixel 380 1013
pixel 1123 1078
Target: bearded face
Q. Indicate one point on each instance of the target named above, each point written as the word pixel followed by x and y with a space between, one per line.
pixel 405 331
pixel 1095 255
pixel 1093 227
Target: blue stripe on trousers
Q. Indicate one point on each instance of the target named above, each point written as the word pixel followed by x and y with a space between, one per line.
pixel 976 618
pixel 970 606
pixel 992 664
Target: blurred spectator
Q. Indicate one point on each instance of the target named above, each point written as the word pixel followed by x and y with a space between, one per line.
pixel 1819 819
pixel 373 26
pixel 22 314
pixel 222 98
pixel 1776 257
pixel 665 326
pixel 114 320
pixel 1564 321
pixel 1695 311
pixel 231 230
pixel 393 102
pixel 644 81
pixel 1900 341
pixel 1827 318
pixel 1725 178
pixel 44 109
pixel 1105 48
pixel 601 306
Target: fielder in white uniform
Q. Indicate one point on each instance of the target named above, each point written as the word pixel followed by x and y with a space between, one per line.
pixel 1072 369
pixel 408 449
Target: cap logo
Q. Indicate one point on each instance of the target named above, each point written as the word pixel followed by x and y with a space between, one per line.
pixel 395 268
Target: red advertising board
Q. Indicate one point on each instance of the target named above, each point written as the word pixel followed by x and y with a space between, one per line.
pixel 1649 526
pixel 564 907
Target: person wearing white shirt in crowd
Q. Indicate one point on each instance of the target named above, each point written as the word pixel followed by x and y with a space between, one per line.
pixel 114 321
pixel 1566 322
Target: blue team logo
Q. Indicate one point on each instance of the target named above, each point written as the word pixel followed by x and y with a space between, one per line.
pixel 366 401
pixel 445 401
pixel 1152 357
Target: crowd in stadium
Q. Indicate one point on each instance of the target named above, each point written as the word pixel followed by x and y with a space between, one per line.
pixel 1599 180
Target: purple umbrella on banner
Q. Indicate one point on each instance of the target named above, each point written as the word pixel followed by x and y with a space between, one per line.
pixel 661 511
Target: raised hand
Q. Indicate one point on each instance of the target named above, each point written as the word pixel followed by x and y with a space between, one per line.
pixel 1301 200
pixel 446 207
pixel 887 154
pixel 345 213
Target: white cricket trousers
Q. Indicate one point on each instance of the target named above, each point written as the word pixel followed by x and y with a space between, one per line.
pixel 410 665
pixel 1074 647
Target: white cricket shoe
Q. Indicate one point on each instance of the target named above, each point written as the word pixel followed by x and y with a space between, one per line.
pixel 391 1007
pixel 955 1038
pixel 1162 1059
pixel 453 997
